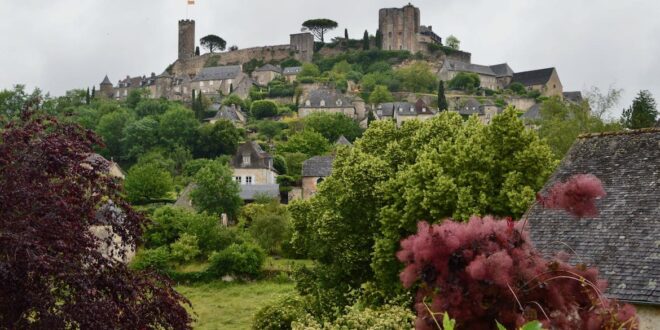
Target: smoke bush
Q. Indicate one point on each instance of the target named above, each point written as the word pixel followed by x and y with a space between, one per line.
pixel 577 195
pixel 487 269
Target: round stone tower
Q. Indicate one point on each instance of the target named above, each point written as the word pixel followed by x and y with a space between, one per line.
pixel 399 28
pixel 105 87
pixel 186 39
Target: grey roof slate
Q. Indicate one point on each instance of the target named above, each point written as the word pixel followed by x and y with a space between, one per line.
pixel 533 113
pixel 575 96
pixel 269 67
pixel 318 166
pixel 502 70
pixel 624 240
pixel 250 191
pixel 106 81
pixel 225 112
pixel 292 70
pixel 470 107
pixel 343 141
pixel 331 98
pixel 218 73
pixel 258 157
pixel 387 109
pixel 453 65
pixel 534 77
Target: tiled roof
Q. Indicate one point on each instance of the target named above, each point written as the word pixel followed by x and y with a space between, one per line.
pixel 269 67
pixel 318 166
pixel 388 109
pixel 534 77
pixel 470 107
pixel 292 70
pixel 624 240
pixel 225 112
pixel 502 70
pixel 453 65
pixel 533 113
pixel 258 157
pixel 218 73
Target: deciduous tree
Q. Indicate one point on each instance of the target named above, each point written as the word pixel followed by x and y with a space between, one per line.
pixel 216 192
pixel 453 42
pixel 147 182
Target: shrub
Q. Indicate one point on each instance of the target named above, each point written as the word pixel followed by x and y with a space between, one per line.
pixel 263 108
pixel 157 259
pixel 385 317
pixel 464 81
pixel 245 259
pixel 271 231
pixel 146 182
pixel 186 248
pixel 192 167
pixel 280 314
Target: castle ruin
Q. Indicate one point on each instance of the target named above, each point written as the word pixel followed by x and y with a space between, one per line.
pixel 401 30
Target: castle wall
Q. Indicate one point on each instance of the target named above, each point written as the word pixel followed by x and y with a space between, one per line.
pixel 303 43
pixel 399 27
pixel 186 39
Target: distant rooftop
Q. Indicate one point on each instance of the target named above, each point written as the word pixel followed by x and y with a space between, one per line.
pixel 218 73
pixel 534 77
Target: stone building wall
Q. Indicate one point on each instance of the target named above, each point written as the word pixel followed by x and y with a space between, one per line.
pixel 259 175
pixel 348 111
pixel 399 27
pixel 303 43
pixel 649 316
pixel 186 39
pixel 521 103
pixel 309 186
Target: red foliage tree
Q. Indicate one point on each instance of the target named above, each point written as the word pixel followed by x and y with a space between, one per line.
pixel 53 274
pixel 487 270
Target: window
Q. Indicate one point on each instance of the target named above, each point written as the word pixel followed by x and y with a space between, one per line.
pixel 308 103
pixel 211 83
pixel 338 102
pixel 246 160
pixel 322 103
pixel 238 179
pixel 248 180
pixel 319 180
pixel 201 84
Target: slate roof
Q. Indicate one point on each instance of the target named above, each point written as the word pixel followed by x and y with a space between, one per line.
pixel 343 141
pixel 269 67
pixel 218 73
pixel 292 70
pixel 573 96
pixel 258 157
pixel 250 191
pixel 624 240
pixel 534 77
pixel 317 166
pixel 470 107
pixel 387 109
pixel 225 112
pixel 106 81
pixel 453 65
pixel 533 113
pixel 331 98
pixel 502 70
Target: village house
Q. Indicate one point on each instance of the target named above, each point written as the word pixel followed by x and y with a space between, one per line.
pixel 314 171
pixel 291 73
pixel 228 112
pixel 222 80
pixel 329 100
pixel 404 111
pixel 265 74
pixel 485 110
pixel 503 74
pixel 253 171
pixel 546 81
pixel 623 241
pixel 450 68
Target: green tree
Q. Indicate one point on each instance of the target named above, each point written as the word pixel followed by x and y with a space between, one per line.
pixel 379 39
pixel 111 128
pixel 442 98
pixel 212 42
pixel 417 77
pixel 140 136
pixel 135 96
pixel 263 109
pixel 346 34
pixel 380 95
pixel 216 192
pixel 309 70
pixel 151 107
pixel 332 126
pixel 219 138
pixel 465 81
pixel 87 97
pixel 269 128
pixel 269 224
pixel 365 40
pixel 318 27
pixel 178 126
pixel 453 42
pixel 518 88
pixel 642 113
pixel 147 182
pixel 233 99
pixel 308 142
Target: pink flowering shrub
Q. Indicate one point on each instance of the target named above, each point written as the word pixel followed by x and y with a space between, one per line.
pixel 487 270
pixel 577 195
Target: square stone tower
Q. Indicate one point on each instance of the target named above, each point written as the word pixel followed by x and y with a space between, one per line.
pixel 186 39
pixel 399 28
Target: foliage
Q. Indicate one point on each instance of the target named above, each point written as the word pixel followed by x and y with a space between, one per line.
pixel 186 248
pixel 290 62
pixel 54 273
pixel 279 164
pixel 213 42
pixel 135 96
pixel 385 317
pixel 245 259
pixel 453 42
pixel 294 161
pixel 270 128
pixel 157 259
pixel 577 195
pixel 332 126
pixel 178 126
pixel 308 142
pixel 216 191
pixel 601 103
pixel 269 225
pixel 365 40
pixel 111 128
pixel 318 27
pixel 518 88
pixel 417 77
pixel 147 182
pixel 219 138
pixel 442 98
pixel 309 70
pixel 380 95
pixel 140 136
pixel 464 81
pixel 281 313
pixel 150 107
pixel 642 113
pixel 263 109
pixel 233 99
pixel 193 166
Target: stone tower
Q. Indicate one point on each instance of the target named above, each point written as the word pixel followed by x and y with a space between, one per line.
pixel 303 43
pixel 186 39
pixel 399 28
pixel 105 87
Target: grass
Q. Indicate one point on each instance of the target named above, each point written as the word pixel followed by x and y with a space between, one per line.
pixel 222 305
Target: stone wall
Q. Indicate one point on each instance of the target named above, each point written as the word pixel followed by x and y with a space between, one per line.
pixel 303 44
pixel 309 186
pixel 259 175
pixel 460 56
pixel 521 103
pixel 399 27
pixel 186 39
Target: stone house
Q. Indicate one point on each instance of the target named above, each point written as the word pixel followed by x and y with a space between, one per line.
pixel 228 112
pixel 265 74
pixel 222 80
pixel 450 68
pixel 314 171
pixel 503 73
pixel 545 81
pixel 291 73
pixel 254 172
pixel 126 85
pixel 623 241
pixel 404 111
pixel 485 110
pixel 94 160
pixel 331 101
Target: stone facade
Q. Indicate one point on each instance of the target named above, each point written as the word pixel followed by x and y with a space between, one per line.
pixel 303 45
pixel 399 28
pixel 186 39
pixel 256 175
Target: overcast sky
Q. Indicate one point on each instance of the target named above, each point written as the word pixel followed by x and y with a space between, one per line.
pixel 59 45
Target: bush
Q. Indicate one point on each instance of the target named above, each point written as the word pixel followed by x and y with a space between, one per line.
pixel 464 81
pixel 518 88
pixel 192 167
pixel 271 231
pixel 263 108
pixel 245 259
pixel 385 317
pixel 157 259
pixel 147 182
pixel 280 314
pixel 186 248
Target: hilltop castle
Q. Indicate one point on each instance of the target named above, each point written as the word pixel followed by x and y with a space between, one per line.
pixel 401 30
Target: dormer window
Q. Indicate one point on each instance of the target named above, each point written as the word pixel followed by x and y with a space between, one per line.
pixel 423 109
pixel 246 160
pixel 400 109
pixel 338 102
pixel 322 103
pixel 308 103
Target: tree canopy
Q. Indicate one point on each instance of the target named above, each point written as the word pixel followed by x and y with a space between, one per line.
pixel 212 42
pixel 642 113
pixel 453 42
pixel 216 191
pixel 417 77
pixel 332 126
pixel 318 27
pixel 380 95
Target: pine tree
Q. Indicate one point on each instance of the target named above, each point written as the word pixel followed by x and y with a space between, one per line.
pixel 442 99
pixel 642 113
pixel 200 106
pixel 197 51
pixel 87 97
pixel 365 40
pixel 379 39
pixel 93 91
pixel 346 34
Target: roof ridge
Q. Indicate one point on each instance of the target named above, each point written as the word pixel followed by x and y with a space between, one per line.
pixel 629 132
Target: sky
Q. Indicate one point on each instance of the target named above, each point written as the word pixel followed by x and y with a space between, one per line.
pixel 58 45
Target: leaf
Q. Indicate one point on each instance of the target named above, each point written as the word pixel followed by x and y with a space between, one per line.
pixel 533 325
pixel 447 323
pixel 500 326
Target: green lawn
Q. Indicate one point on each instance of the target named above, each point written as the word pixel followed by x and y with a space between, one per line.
pixel 221 305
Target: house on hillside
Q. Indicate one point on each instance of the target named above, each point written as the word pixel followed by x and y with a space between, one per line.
pixel 314 171
pixel 265 74
pixel 222 80
pixel 450 68
pixel 404 111
pixel 623 241
pixel 329 100
pixel 291 73
pixel 228 112
pixel 485 110
pixel 546 81
pixel 503 73
pixel 575 97
pixel 254 172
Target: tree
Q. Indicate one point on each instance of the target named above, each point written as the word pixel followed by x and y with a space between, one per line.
pixel 269 224
pixel 87 96
pixel 147 182
pixel 219 138
pixel 332 126
pixel 139 137
pixel 642 113
pixel 233 48
pixel 417 77
pixel 442 98
pixel 465 81
pixel 346 34
pixel 453 42
pixel 308 142
pixel 55 275
pixel 233 99
pixel 111 128
pixel 197 51
pixel 263 109
pixel 94 92
pixel 518 88
pixel 309 70
pixel 380 95
pixel 379 39
pixel 216 190
pixel 151 107
pixel 601 103
pixel 318 27
pixel 213 42
pixel 365 40
pixel 178 126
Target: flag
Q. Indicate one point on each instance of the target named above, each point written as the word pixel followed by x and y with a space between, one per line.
pixel 191 2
